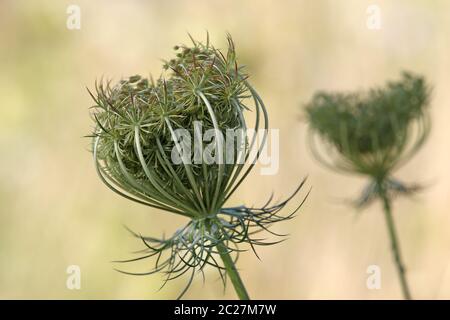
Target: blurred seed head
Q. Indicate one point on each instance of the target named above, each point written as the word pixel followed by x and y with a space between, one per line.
pixel 372 132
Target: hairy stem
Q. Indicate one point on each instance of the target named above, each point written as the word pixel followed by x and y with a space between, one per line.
pixel 232 272
pixel 395 244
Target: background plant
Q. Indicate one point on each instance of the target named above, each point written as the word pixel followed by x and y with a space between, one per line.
pixel 134 136
pixel 373 133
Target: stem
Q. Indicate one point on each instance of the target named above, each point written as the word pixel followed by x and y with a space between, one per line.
pixel 394 244
pixel 232 272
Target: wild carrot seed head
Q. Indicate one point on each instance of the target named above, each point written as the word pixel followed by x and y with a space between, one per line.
pixel 371 132
pixel 136 121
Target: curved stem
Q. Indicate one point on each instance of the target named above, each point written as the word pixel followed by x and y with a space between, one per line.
pixel 232 272
pixel 394 244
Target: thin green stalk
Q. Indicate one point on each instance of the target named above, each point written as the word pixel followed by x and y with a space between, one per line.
pixel 395 244
pixel 232 272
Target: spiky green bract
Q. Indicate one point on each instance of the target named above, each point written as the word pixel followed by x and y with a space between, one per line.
pixel 135 135
pixel 373 132
pixel 196 245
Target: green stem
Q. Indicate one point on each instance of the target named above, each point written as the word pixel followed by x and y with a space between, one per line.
pixel 232 272
pixel 394 244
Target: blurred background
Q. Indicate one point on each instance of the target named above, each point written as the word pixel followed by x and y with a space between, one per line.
pixel 55 212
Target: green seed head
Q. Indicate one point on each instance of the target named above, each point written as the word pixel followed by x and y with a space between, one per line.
pixel 371 132
pixel 136 136
pixel 137 122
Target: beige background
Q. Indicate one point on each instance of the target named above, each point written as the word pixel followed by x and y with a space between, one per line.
pixel 54 211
